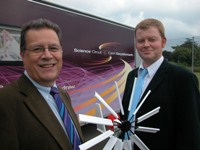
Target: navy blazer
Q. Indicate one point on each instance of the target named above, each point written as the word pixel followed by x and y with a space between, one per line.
pixel 176 91
pixel 28 123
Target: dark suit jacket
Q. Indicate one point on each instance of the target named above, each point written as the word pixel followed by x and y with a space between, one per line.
pixel 28 123
pixel 175 90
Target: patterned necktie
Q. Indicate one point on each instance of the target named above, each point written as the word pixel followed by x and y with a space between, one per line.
pixel 138 91
pixel 68 123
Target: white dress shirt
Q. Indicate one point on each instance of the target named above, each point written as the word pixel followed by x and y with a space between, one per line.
pixel 152 69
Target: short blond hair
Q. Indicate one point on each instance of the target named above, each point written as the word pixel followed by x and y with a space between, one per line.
pixel 146 23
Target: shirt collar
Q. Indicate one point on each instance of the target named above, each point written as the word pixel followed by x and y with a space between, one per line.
pixel 44 90
pixel 153 67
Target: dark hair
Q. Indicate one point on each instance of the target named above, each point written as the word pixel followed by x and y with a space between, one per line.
pixel 38 24
pixel 146 23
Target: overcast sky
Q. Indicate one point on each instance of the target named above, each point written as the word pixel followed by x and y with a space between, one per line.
pixel 181 18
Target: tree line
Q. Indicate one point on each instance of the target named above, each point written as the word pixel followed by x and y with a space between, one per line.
pixel 186 54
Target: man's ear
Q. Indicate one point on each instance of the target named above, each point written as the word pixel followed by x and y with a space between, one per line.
pixel 164 41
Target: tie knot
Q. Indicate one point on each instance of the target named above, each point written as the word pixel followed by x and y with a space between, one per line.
pixel 143 72
pixel 54 91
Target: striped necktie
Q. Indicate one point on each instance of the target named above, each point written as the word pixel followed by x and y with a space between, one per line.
pixel 66 118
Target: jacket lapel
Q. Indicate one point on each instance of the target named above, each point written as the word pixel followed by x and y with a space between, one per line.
pixel 157 79
pixel 42 111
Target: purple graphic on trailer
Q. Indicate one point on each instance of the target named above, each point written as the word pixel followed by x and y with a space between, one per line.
pixel 96 52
